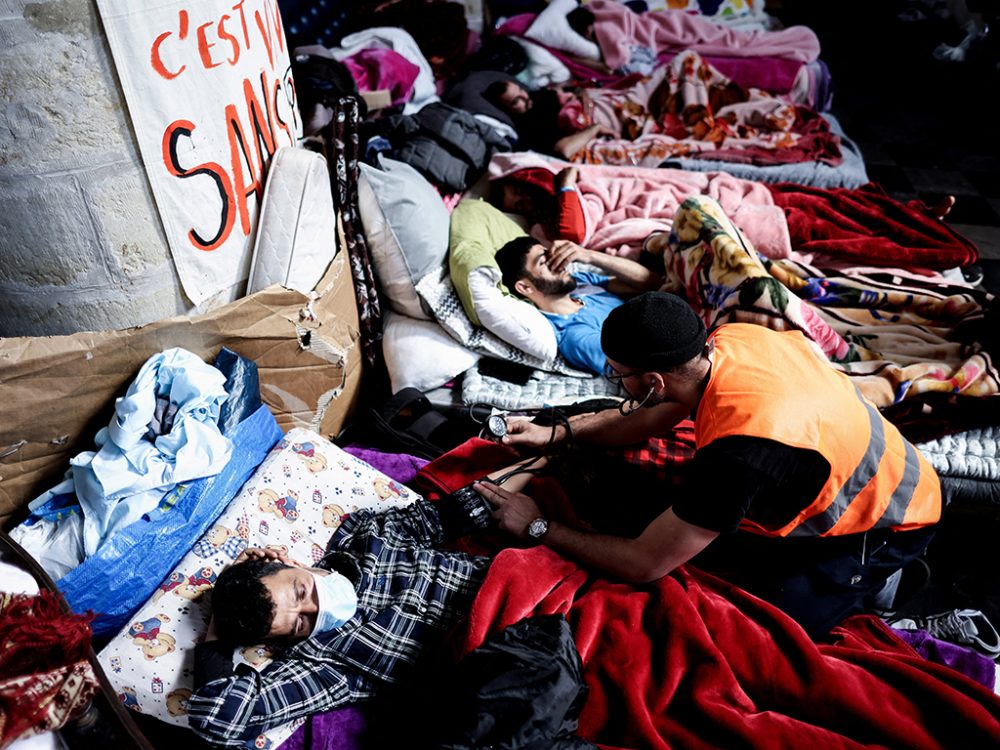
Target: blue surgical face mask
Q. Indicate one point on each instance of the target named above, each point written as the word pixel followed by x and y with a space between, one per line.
pixel 338 601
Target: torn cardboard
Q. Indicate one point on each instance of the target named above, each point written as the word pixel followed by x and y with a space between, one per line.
pixel 57 391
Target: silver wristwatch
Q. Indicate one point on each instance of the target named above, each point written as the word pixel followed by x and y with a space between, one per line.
pixel 538 528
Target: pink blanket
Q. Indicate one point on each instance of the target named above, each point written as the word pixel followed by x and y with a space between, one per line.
pixel 374 69
pixel 619 31
pixel 623 205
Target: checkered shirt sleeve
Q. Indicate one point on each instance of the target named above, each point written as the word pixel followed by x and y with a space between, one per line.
pixel 408 596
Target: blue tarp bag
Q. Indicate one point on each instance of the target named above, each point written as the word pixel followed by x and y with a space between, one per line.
pixel 125 572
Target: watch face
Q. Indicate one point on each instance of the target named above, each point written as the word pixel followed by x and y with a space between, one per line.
pixel 538 527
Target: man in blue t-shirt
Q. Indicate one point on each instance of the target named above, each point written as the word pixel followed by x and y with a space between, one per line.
pixel 575 303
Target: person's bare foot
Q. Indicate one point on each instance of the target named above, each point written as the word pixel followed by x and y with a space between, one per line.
pixel 942 208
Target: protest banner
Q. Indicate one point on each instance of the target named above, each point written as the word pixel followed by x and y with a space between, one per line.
pixel 211 98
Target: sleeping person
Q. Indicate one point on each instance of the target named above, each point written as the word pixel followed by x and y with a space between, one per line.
pixel 536 116
pixel 576 303
pixel 683 109
pixel 551 201
pixel 356 623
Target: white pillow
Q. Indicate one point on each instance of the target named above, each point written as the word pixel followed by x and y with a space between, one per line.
pixel 294 501
pixel 515 321
pixel 406 225
pixel 421 354
pixel 544 68
pixel 553 30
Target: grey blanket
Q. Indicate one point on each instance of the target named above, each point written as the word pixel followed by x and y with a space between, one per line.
pixel 973 454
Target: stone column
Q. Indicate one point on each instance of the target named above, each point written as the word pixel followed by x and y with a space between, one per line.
pixel 81 243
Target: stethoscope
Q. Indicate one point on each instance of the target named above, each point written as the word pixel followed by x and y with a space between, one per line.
pixel 631 406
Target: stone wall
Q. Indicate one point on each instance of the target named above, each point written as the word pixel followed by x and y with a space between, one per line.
pixel 81 244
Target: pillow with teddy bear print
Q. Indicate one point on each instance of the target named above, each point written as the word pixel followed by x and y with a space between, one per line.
pixel 294 502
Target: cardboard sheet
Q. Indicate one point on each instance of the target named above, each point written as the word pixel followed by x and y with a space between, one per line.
pixel 57 391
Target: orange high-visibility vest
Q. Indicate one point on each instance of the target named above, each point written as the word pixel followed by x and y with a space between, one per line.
pixel 772 385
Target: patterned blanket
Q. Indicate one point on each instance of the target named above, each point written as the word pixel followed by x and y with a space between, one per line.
pixel 850 173
pixel 689 109
pixel 895 341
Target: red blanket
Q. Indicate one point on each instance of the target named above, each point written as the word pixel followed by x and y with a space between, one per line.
pixel 692 662
pixel 868 226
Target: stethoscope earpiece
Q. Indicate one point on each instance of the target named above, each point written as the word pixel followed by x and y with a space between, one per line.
pixel 625 408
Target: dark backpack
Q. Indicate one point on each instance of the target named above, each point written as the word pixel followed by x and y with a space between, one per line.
pixel 323 80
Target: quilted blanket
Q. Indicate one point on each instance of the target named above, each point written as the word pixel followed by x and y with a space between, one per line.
pixel 894 341
pixel 971 454
pixel 541 389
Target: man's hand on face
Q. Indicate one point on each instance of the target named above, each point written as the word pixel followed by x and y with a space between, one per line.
pixel 514 510
pixel 564 252
pixel 260 553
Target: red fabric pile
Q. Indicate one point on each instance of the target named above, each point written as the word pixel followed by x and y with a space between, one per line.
pixel 867 226
pixel 691 661
pixel 45 678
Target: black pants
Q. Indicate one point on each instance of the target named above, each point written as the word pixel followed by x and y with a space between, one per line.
pixel 818 581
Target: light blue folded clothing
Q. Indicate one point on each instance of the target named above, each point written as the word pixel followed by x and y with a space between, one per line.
pixel 164 431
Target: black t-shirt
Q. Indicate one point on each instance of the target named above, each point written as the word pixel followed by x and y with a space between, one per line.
pixel 763 480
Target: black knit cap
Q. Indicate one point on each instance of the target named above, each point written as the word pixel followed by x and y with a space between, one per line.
pixel 655 331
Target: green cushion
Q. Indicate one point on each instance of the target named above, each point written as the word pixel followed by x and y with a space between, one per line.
pixel 478 230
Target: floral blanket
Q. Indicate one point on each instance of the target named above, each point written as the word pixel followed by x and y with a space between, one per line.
pixel 688 108
pixel 895 341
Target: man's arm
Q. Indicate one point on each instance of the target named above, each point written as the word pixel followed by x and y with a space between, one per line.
pixel 627 275
pixel 570 144
pixel 571 222
pixel 665 544
pixel 607 427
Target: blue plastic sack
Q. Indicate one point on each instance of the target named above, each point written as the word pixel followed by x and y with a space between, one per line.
pixel 125 572
pixel 242 385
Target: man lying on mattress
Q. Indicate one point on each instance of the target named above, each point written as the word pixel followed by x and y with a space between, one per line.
pixel 575 303
pixel 808 497
pixel 356 623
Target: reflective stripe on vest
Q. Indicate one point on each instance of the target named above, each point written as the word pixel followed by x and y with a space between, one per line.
pixel 863 473
pixel 878 481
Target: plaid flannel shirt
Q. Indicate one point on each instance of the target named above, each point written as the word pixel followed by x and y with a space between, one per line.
pixel 408 595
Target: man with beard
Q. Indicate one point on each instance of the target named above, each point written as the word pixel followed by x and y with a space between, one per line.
pixel 808 497
pixel 536 116
pixel 576 303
